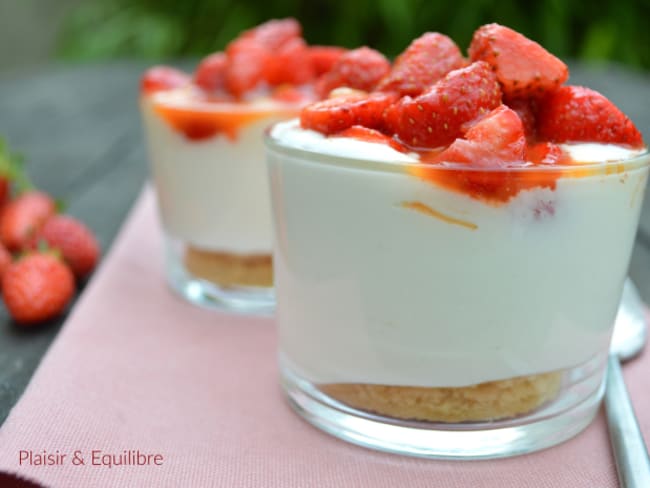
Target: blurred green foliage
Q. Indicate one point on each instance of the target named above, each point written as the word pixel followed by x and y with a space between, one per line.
pixel 160 29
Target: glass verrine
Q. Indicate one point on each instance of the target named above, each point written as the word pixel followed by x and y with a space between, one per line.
pixel 207 163
pixel 446 310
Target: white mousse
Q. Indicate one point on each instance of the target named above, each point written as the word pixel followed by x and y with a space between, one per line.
pixel 370 291
pixel 212 193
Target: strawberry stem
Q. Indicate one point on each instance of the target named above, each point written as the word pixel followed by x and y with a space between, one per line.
pixel 12 168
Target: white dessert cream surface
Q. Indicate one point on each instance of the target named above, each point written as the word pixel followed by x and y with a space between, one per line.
pixel 213 193
pixel 371 290
pixel 292 135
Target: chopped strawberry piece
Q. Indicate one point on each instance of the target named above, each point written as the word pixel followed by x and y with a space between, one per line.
pixel 337 114
pixel 425 61
pixel 578 114
pixel 274 33
pixel 290 64
pixel 360 68
pixel 372 135
pixel 546 153
pixel 495 139
pixel 523 67
pixel 160 78
pixel 258 55
pixel 438 116
pixel 497 144
pixel 322 58
pixel 210 74
pixel 247 61
pixel 526 109
pixel 288 94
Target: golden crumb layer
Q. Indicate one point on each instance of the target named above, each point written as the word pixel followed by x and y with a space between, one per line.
pixel 486 401
pixel 227 269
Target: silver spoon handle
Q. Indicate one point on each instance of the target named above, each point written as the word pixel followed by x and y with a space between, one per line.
pixel 631 455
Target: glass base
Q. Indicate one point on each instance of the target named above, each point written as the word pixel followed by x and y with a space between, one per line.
pixel 239 299
pixel 572 411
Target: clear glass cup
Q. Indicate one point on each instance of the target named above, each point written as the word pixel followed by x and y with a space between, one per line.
pixel 421 315
pixel 207 164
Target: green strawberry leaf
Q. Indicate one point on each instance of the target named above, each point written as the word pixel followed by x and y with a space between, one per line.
pixel 61 205
pixel 12 167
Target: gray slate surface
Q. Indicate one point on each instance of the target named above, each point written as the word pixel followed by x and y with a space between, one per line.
pixel 80 129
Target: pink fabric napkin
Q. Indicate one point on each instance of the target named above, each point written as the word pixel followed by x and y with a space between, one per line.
pixel 135 368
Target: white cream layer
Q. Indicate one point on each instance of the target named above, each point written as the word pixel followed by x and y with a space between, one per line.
pixel 292 135
pixel 212 193
pixel 372 292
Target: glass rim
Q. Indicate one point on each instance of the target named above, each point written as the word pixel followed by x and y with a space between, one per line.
pixel 395 166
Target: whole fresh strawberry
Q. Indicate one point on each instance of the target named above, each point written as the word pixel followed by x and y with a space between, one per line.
pixel 74 240
pixel 23 218
pixel 5 261
pixel 10 169
pixel 579 114
pixel 37 287
pixel 427 59
pixel 523 67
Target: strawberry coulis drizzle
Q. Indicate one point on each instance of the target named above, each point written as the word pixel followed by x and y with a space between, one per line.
pixel 494 185
pixel 201 123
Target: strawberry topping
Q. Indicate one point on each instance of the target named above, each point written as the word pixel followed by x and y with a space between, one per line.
pixel 360 69
pixel 425 61
pixel 495 139
pixel 247 60
pixel 160 78
pixel 210 75
pixel 578 114
pixel 273 34
pixel 323 58
pixel 523 67
pixel 273 52
pixel 371 135
pixel 546 153
pixel 337 114
pixel 507 110
pixel 291 64
pixel 526 108
pixel 439 115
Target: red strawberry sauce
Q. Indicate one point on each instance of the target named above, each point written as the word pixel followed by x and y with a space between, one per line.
pixel 494 185
pixel 204 120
